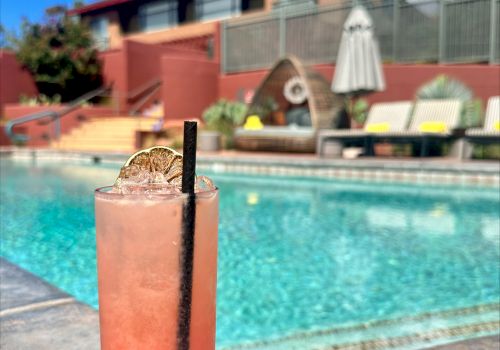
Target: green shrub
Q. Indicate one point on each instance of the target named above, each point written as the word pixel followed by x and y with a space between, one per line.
pixel 265 108
pixel 60 55
pixel 472 114
pixel 486 151
pixel 444 87
pixel 360 110
pixel 223 116
pixel 40 100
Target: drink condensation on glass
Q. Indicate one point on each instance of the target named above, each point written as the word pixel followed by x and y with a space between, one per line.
pixel 139 247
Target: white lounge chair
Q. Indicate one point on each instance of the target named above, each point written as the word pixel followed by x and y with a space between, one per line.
pixel 491 128
pixel 383 116
pixel 432 120
pixel 489 133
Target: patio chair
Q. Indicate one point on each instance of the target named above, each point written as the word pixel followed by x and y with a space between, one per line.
pixel 431 121
pixel 296 129
pixel 490 132
pixel 382 117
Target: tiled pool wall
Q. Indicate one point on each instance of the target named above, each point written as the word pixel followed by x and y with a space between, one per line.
pixel 440 329
pixel 421 171
pixel 369 174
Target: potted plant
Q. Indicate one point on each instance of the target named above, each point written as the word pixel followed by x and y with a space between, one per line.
pixel 221 118
pixel 268 111
pixel 359 112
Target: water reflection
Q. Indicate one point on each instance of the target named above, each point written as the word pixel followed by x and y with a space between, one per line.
pixel 320 254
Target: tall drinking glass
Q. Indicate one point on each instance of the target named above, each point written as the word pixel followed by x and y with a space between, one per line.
pixel 139 247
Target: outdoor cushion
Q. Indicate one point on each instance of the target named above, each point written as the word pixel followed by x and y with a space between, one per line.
pixel 299 116
pixel 270 131
pixel 433 127
pixel 378 127
pixel 253 123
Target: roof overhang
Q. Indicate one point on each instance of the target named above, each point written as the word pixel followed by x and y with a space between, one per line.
pixel 101 5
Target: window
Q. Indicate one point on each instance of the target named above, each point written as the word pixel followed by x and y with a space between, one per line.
pixel 99 30
pixel 216 9
pixel 158 15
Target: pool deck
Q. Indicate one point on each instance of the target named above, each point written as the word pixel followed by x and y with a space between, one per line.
pixel 439 171
pixel 36 315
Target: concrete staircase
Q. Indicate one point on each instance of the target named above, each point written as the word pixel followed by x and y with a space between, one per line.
pixel 111 134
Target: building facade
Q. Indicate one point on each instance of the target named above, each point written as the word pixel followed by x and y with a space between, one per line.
pixel 158 21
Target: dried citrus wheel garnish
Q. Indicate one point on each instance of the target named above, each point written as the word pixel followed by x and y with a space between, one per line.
pixel 154 160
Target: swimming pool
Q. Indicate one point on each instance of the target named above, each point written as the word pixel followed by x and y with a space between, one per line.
pixel 296 256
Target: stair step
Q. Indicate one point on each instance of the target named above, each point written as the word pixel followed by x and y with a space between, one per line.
pixel 105 134
pixel 109 147
pixel 101 133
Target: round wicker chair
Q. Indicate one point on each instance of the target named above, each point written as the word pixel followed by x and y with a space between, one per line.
pixel 278 135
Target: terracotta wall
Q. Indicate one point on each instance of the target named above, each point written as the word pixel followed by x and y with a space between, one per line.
pixel 402 80
pixel 113 72
pixel 39 132
pixel 143 63
pixel 189 86
pixel 14 81
pixel 4 139
pixel 136 64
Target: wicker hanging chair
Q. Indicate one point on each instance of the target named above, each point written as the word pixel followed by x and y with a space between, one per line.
pixel 269 102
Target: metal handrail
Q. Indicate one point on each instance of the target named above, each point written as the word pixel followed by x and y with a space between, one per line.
pixel 53 115
pixel 139 104
pixel 132 94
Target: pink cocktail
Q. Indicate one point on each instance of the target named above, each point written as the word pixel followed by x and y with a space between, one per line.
pixel 139 274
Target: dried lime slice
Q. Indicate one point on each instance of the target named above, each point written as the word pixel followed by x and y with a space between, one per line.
pixel 158 159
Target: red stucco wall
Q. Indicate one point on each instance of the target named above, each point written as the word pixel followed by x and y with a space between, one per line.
pixel 4 139
pixel 402 80
pixel 143 63
pixel 135 65
pixel 189 86
pixel 14 81
pixel 38 132
pixel 113 71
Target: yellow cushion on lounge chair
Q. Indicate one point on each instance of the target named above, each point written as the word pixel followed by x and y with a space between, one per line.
pixel 253 123
pixel 378 127
pixel 433 127
pixel 497 125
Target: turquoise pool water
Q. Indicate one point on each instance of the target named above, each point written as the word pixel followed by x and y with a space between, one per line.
pixel 294 254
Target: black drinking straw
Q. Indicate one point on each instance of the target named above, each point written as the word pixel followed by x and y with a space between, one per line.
pixel 188 223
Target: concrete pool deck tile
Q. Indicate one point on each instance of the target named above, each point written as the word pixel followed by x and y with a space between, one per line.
pixel 18 288
pixel 485 343
pixel 36 315
pixel 69 326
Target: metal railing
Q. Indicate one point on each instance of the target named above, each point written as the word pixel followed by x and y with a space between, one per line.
pixel 444 31
pixel 145 92
pixel 51 116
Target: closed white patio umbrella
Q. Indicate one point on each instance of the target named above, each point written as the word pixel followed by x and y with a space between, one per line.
pixel 358 67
